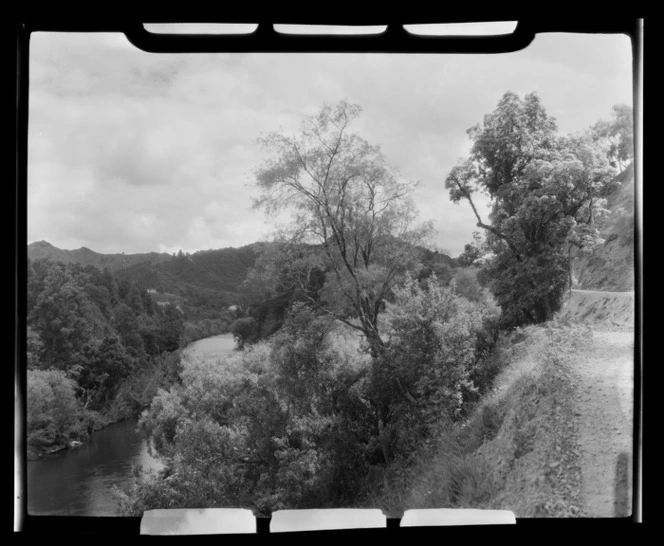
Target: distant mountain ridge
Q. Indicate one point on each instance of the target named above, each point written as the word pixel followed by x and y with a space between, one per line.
pixel 221 270
pixel 84 256
pixel 208 277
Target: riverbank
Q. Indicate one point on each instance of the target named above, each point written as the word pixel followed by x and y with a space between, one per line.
pixel 57 419
pixel 133 396
pixel 61 448
pixel 83 480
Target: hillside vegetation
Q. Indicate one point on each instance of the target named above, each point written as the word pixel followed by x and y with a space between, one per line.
pixel 210 280
pixel 514 451
pixel 611 267
pixel 98 349
pixel 554 436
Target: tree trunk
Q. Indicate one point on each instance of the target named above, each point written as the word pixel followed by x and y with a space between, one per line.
pixel 376 344
pixel 382 437
pixel 376 348
pixel 548 313
pixel 569 268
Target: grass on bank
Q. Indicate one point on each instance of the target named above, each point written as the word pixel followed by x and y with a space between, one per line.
pixel 515 450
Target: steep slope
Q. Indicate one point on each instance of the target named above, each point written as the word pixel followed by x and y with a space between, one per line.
pixel 611 267
pixel 554 437
pixel 582 413
pixel 603 310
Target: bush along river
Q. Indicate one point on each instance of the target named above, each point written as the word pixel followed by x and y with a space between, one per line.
pixel 80 481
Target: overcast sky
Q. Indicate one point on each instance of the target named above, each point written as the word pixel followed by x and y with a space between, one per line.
pixel 137 152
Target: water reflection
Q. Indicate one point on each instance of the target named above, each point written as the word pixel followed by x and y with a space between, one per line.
pixel 213 347
pixel 80 482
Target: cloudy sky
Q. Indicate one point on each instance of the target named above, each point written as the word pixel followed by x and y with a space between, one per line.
pixel 137 152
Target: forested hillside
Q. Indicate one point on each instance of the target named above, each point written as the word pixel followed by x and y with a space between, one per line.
pixel 221 270
pixel 98 348
pixel 204 275
pixel 204 284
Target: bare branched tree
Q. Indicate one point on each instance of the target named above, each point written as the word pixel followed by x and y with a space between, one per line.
pixel 351 215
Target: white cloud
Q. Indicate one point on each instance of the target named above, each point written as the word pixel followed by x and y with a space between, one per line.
pixel 136 152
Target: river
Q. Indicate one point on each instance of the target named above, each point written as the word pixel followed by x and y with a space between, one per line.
pixel 79 482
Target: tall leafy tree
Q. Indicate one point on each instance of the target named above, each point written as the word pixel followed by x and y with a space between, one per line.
pixel 171 328
pixel 545 191
pixel 107 364
pixel 63 316
pixel 618 134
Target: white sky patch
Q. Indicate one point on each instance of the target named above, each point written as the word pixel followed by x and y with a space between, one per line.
pixel 143 224
pixel 135 152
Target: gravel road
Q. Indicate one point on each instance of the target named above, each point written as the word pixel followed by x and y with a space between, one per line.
pixel 604 412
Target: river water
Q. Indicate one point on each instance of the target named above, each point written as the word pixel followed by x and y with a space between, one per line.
pixel 80 482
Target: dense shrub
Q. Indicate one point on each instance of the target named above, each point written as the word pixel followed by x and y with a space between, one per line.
pixel 54 415
pixel 292 421
pixel 427 370
pixel 245 331
pixel 284 423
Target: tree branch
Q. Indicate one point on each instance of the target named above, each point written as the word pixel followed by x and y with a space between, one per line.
pixel 481 224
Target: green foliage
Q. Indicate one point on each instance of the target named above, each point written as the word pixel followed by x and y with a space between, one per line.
pixel 440 473
pixel 104 336
pixel 467 286
pixel 272 285
pixel 617 134
pixel 469 256
pixel 245 331
pixel 494 458
pixel 436 263
pixel 546 191
pixel 292 422
pixel 473 252
pixel 195 330
pixel 208 281
pixel 425 376
pixel 34 347
pixel 107 364
pixel 54 415
pixel 62 315
pixel 170 328
pixel 280 424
